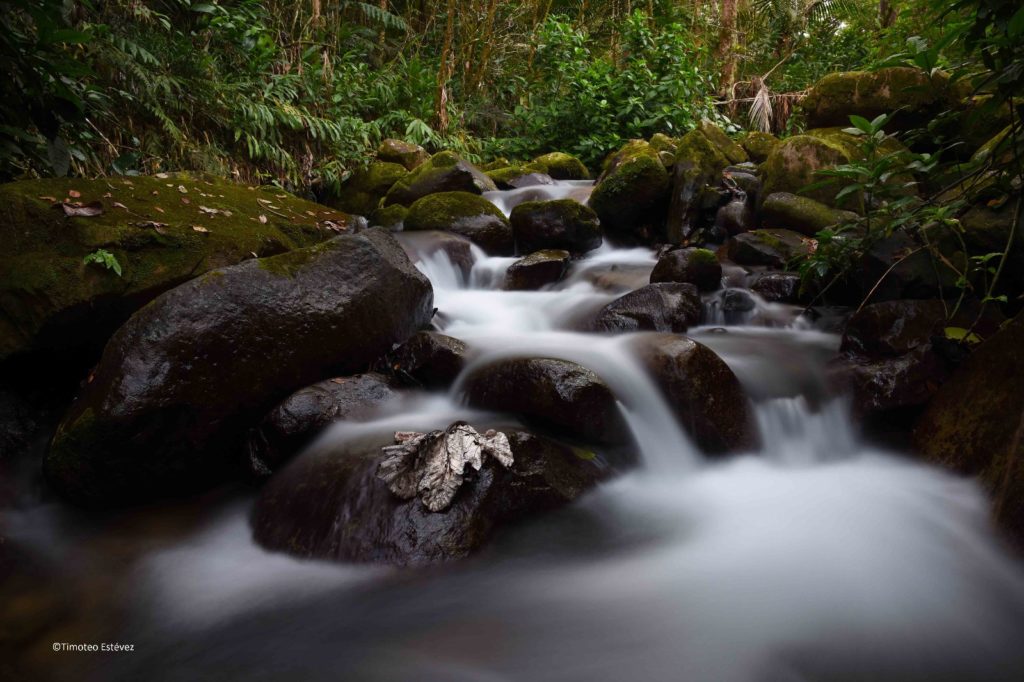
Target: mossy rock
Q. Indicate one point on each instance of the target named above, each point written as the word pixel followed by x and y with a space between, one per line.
pixel 410 156
pixel 917 95
pixel 666 147
pixel 778 249
pixel 161 236
pixel 500 162
pixel 800 214
pixel 362 192
pixel 562 166
pixel 444 172
pixel 631 196
pixel 729 148
pixel 465 214
pixel 559 224
pixel 698 168
pixel 507 177
pixel 758 145
pixel 390 217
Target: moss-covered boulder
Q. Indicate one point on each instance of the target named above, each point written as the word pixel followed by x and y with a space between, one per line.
pixel 666 148
pixel 699 267
pixel 362 192
pixel 391 217
pixel 698 170
pixel 465 214
pixel 562 166
pixel 973 424
pixel 631 196
pixel 725 144
pixel 410 156
pixel 917 95
pixel 800 214
pixel 558 224
pixel 444 172
pixel 495 164
pixel 515 176
pixel 537 270
pixel 758 145
pixel 162 231
pixel 168 406
pixel 793 165
pixel 777 249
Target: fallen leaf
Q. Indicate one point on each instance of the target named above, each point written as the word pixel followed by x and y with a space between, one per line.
pixel 226 213
pixel 254 254
pixel 181 188
pixel 52 200
pixel 159 227
pixel 74 193
pixel 118 204
pixel 208 211
pixel 88 211
pixel 162 176
pixel 158 209
pixel 311 214
pixel 186 200
pixel 199 228
pixel 337 381
pixel 263 219
pixel 263 201
pixel 155 193
pixel 107 195
pixel 281 196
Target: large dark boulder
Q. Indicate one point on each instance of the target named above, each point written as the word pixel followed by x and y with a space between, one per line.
pixel 774 248
pixel 166 410
pixel 632 194
pixel 900 267
pixel 554 394
pixel 559 224
pixel 538 269
pixel 332 504
pixel 660 307
pixel 428 359
pixel 465 214
pixel 777 287
pixel 444 172
pixel 292 425
pixel 699 267
pixel 695 176
pixel 702 391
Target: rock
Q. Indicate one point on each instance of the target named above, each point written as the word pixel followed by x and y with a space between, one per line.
pixel 363 191
pixel 465 214
pixel 444 172
pixel 391 218
pixel 495 164
pixel 777 287
pixel 774 248
pixel 987 230
pixel 759 145
pixel 553 394
pixel 909 271
pixel 703 392
pixel 559 224
pixel 429 359
pixel 660 307
pixel 513 177
pixel 51 301
pixel 630 197
pixel 537 270
pixel 166 410
pixel 562 166
pixel 457 248
pixel 333 505
pixel 291 426
pixel 530 180
pixel 699 267
pixel 666 148
pixel 736 301
pixel 801 214
pixel 974 424
pixel 913 94
pixel 893 328
pixel 730 149
pixel 736 217
pixel 794 163
pixel 410 156
pixel 746 182
pixel 698 169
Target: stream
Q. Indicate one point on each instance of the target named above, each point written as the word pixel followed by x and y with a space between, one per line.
pixel 818 557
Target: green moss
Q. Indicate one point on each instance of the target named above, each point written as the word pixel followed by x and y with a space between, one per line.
pixel 800 214
pixel 758 145
pixel 438 174
pixel 716 136
pixel 361 193
pixel 703 257
pixel 444 159
pixel 442 210
pixel 409 155
pixel 392 217
pixel 495 164
pixel 503 176
pixel 791 167
pixel 291 263
pixel 562 166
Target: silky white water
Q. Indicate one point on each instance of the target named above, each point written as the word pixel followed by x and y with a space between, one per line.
pixel 816 558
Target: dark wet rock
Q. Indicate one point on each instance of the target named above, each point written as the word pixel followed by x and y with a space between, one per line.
pixel 457 248
pixel 559 224
pixel 737 301
pixel 410 156
pixel 777 287
pixel 562 166
pixel 333 505
pixel 428 359
pixel 538 269
pixel 975 423
pixel 18 422
pixel 465 214
pixel 530 180
pixel 444 172
pixel 703 392
pixel 697 171
pixel 759 145
pixel 699 267
pixel 166 410
pixel 800 214
pixel 987 230
pixel 774 248
pixel 291 426
pixel 362 191
pixel 736 217
pixel 901 268
pixel 632 194
pixel 554 394
pixel 617 278
pixel 661 307
pixel 893 328
pixel 519 175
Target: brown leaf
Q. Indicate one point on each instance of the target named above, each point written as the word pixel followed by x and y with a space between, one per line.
pixel 107 195
pixel 118 204
pixel 159 227
pixel 162 176
pixel 265 202
pixel 199 228
pixel 52 200
pixel 208 211
pixel 158 209
pixel 74 193
pixel 186 200
pixel 263 219
pixel 88 211
pixel 181 188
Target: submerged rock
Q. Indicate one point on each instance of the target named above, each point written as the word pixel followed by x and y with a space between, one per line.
pixel 410 156
pixel 465 214
pixel 774 248
pixel 562 166
pixel 429 359
pixel 166 410
pixel 632 194
pixel 559 224
pixel 659 307
pixel 538 269
pixel 334 505
pixel 699 267
pixel 444 172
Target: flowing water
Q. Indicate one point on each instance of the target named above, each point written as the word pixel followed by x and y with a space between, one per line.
pixel 816 558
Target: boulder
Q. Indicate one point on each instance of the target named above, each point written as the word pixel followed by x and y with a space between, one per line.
pixel 426 243
pixel 410 156
pixel 562 166
pixel 699 267
pixel 52 301
pixel 666 148
pixel 632 194
pixel 428 359
pixel 899 267
pixel 465 214
pixel 391 218
pixel 444 172
pixel 291 426
pixel 516 176
pixel 986 229
pixel 774 248
pixel 166 410
pixel 703 392
pixel 559 395
pixel 661 307
pixel 362 192
pixel 333 505
pixel 975 423
pixel 893 328
pixel 758 145
pixel 794 163
pixel 725 144
pixel 777 287
pixel 736 217
pixel 538 269
pixel 801 214
pixel 559 224
pixel 696 174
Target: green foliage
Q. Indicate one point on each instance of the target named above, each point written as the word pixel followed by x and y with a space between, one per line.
pixel 104 258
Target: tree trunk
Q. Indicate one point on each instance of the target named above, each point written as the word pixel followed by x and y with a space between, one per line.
pixel 444 72
pixel 887 13
pixel 726 50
